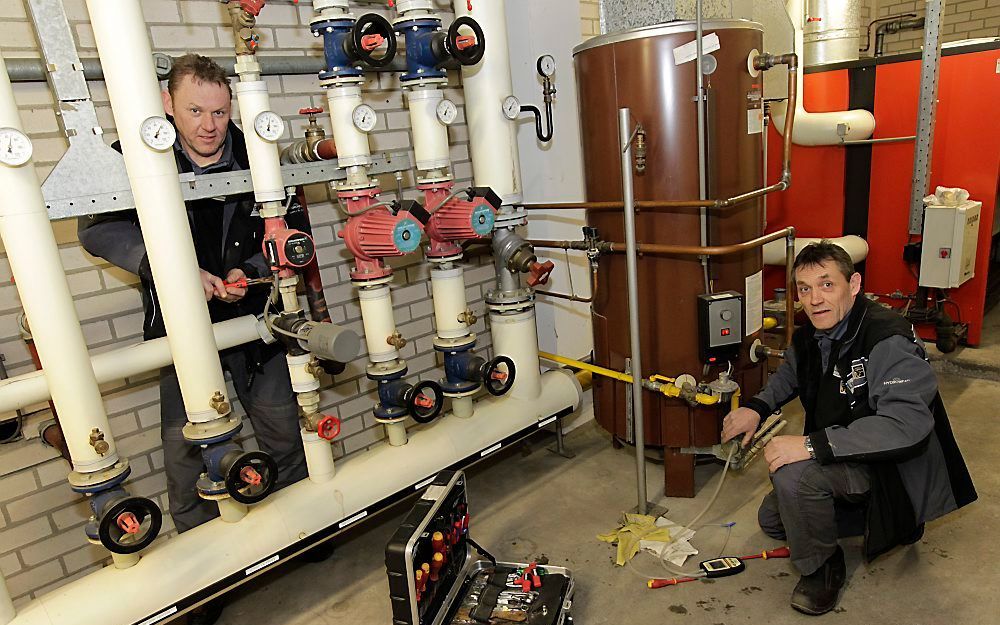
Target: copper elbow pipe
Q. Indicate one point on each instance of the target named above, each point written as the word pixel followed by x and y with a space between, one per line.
pixel 576 298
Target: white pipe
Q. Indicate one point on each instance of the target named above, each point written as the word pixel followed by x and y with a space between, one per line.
pixel 124 561
pixel 818 128
pixel 184 565
pixel 492 137
pixel 319 457
pixel 514 335
pixel 45 296
pixel 376 315
pixel 298 371
pixel 265 165
pixel 231 511
pixel 123 44
pixel 462 407
pixel 7 611
pixel 31 388
pixel 855 246
pixel 396 432
pixel 352 144
pixel 448 292
pixel 430 136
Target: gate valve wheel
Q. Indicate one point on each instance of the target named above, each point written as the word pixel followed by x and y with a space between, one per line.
pixel 539 272
pixel 310 111
pixel 252 477
pixel 424 401
pixel 498 375
pixel 365 29
pixel 130 525
pixel 328 427
pixel 459 46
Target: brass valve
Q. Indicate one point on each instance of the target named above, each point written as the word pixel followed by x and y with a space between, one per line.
pixel 219 403
pixel 314 368
pixel 640 149
pixel 97 441
pixel 468 317
pixel 396 340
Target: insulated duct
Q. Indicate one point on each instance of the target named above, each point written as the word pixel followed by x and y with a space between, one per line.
pixel 855 246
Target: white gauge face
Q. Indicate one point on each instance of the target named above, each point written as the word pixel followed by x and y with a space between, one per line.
pixel 447 112
pixel 15 147
pixel 364 118
pixel 511 107
pixel 158 133
pixel 269 126
pixel 546 66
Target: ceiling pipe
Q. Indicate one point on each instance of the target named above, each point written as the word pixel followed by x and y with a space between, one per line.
pixel 855 246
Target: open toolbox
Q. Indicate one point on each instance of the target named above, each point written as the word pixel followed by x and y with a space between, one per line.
pixel 439 575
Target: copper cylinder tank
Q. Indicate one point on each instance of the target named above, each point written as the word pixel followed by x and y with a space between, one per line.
pixel 637 69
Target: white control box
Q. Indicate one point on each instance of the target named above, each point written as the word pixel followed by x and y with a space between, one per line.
pixel 948 251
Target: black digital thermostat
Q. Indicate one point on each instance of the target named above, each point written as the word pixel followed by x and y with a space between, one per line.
pixel 720 326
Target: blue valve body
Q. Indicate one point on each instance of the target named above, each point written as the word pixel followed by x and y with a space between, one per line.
pixel 335 34
pixel 462 369
pixel 421 62
pixel 392 390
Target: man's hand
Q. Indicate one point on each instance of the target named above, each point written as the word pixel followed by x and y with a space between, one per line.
pixel 232 293
pixel 784 450
pixel 213 285
pixel 740 421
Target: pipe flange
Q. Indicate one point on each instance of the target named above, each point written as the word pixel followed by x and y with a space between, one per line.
pixel 103 479
pixel 513 219
pixel 459 344
pixel 422 81
pixel 213 431
pixel 211 491
pixel 458 395
pixel 507 298
pixel 372 281
pixel 386 370
pixel 340 81
pixel 392 421
pixel 441 259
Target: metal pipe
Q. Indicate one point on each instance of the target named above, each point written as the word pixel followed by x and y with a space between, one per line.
pixel 700 98
pixel 631 271
pixel 789 286
pixel 576 298
pixel 606 247
pixel 874 141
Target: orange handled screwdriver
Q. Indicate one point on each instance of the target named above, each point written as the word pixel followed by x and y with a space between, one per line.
pixel 673 581
pixel 780 552
pixel 243 283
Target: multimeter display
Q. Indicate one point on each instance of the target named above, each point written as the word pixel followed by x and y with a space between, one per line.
pixel 721 567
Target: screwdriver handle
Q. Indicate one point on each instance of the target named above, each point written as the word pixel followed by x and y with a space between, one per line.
pixel 238 284
pixel 673 581
pixel 780 552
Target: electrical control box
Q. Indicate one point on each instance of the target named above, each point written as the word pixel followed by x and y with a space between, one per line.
pixel 720 326
pixel 950 240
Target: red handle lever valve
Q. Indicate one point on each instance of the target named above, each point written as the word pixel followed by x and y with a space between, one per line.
pixel 252 7
pixel 310 111
pixel 539 272
pixel 328 427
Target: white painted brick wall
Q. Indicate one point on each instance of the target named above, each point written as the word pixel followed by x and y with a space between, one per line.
pixel 967 19
pixel 41 520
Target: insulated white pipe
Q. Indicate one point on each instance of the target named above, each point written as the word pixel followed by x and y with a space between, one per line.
pixel 448 293
pixel 462 407
pixel 230 510
pixel 319 457
pixel 376 315
pixel 396 432
pixel 430 136
pixel 265 164
pixel 855 246
pixel 818 128
pixel 492 137
pixel 45 296
pixel 123 44
pixel 192 561
pixel 7 611
pixel 515 335
pixel 352 144
pixel 31 388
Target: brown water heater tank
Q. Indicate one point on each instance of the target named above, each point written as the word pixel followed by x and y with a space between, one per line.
pixel 638 69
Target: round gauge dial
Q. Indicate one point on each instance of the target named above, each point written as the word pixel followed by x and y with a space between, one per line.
pixel 158 133
pixel 447 112
pixel 269 126
pixel 364 118
pixel 15 147
pixel 511 107
pixel 546 65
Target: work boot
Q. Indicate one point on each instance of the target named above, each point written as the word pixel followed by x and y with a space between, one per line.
pixel 817 592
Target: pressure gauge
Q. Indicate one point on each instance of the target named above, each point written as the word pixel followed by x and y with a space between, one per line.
pixel 158 133
pixel 546 66
pixel 447 112
pixel 15 147
pixel 511 107
pixel 269 126
pixel 364 118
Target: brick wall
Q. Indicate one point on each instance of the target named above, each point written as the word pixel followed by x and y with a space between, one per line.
pixel 590 18
pixel 41 521
pixel 968 19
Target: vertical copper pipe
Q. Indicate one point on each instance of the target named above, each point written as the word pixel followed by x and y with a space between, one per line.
pixel 789 288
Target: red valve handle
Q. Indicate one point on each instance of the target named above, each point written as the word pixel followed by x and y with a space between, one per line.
pixel 328 427
pixel 128 523
pixel 468 4
pixel 814 19
pixel 465 41
pixel 310 111
pixel 252 7
pixel 370 42
pixel 423 401
pixel 500 376
pixel 250 476
pixel 540 273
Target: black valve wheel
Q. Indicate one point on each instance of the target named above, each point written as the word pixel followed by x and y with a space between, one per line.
pixel 466 49
pixel 424 401
pixel 498 375
pixel 370 32
pixel 252 477
pixel 130 525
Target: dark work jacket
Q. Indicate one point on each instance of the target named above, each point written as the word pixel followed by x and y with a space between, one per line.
pixel 910 482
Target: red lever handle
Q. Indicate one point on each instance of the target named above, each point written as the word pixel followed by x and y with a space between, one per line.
pixel 310 111
pixel 252 7
pixel 465 41
pixel 128 523
pixel 370 42
pixel 540 273
pixel 250 476
pixel 328 427
pixel 424 401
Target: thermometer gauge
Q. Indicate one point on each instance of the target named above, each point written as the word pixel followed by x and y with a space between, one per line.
pixel 269 126
pixel 447 112
pixel 511 107
pixel 158 133
pixel 364 118
pixel 546 66
pixel 15 147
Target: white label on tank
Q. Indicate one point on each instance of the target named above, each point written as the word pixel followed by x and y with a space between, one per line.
pixel 755 121
pixel 423 483
pixel 356 517
pixel 260 565
pixel 689 51
pixel 754 317
pixel 490 450
pixel 159 617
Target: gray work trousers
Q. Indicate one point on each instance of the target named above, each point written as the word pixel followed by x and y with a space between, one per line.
pixel 269 402
pixel 801 509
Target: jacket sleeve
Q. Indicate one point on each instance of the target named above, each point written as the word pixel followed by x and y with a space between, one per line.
pixel 901 387
pixel 782 387
pixel 117 239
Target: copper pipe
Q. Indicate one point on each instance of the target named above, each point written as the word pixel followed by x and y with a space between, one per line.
pixel 607 247
pixel 789 288
pixel 576 298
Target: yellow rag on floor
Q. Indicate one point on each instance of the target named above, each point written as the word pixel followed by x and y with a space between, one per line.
pixel 634 527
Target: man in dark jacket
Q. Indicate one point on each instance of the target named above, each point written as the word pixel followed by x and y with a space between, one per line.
pixel 227 237
pixel 877 439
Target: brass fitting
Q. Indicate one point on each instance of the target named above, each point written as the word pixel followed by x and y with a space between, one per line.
pixel 97 441
pixel 314 368
pixel 396 340
pixel 468 317
pixel 218 403
pixel 640 149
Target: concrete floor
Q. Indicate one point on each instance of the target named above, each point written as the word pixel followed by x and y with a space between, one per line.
pixel 539 503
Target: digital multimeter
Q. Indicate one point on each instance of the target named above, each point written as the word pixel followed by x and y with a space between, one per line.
pixel 722 567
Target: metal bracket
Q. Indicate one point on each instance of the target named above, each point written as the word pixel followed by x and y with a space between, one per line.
pixel 929 68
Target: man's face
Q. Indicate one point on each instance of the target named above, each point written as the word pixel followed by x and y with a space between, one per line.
pixel 201 112
pixel 826 295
